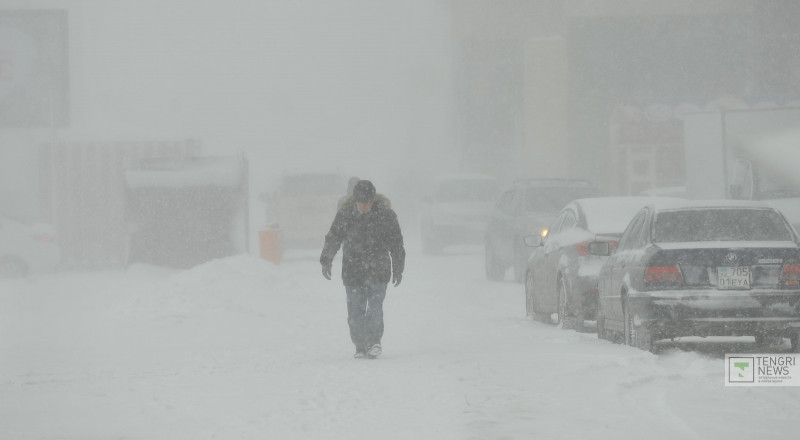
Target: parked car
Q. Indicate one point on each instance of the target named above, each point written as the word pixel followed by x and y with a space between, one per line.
pixel 457 211
pixel 526 207
pixel 303 207
pixel 27 248
pixel 561 277
pixel 713 268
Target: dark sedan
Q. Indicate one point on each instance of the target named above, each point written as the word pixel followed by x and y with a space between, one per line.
pixel 714 268
pixel 561 277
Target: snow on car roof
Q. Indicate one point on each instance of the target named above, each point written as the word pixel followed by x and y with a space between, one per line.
pixel 678 204
pixel 611 215
pixel 726 244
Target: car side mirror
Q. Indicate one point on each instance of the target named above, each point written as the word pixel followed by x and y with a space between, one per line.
pixel 533 240
pixel 601 248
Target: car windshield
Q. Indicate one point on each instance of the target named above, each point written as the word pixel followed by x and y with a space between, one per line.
pixel 553 199
pixel 467 191
pixel 720 225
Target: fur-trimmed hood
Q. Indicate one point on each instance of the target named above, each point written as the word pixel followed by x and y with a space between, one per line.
pixel 380 202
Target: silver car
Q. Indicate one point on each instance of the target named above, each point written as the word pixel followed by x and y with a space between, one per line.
pixel 561 280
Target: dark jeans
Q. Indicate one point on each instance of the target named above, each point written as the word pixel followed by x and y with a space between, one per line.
pixel 365 314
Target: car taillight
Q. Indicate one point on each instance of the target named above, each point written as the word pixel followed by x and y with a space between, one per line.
pixel 44 237
pixel 790 274
pixel 582 248
pixel 663 274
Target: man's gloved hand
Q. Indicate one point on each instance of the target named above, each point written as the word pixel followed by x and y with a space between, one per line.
pixel 396 278
pixel 326 271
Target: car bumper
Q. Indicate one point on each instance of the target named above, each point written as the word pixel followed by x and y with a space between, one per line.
pixel 716 313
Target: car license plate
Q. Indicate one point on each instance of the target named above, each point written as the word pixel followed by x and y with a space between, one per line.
pixel 733 277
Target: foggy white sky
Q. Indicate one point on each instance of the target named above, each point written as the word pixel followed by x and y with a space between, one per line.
pixel 336 79
pixel 367 87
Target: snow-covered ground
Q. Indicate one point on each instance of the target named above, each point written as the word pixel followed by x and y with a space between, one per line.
pixel 240 348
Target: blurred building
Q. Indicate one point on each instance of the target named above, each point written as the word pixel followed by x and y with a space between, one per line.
pixel 595 89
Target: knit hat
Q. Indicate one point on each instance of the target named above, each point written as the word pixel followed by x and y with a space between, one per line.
pixel 364 191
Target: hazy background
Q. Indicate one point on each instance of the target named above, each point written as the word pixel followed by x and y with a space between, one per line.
pixel 386 90
pixel 298 85
pixel 349 86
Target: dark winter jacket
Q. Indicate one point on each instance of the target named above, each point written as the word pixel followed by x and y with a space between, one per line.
pixel 372 243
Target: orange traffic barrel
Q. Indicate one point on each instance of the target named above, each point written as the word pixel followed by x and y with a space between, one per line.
pixel 269 245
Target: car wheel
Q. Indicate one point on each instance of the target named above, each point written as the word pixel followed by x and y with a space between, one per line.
pixel 601 326
pixel 636 336
pixel 12 267
pixel 579 321
pixel 520 264
pixel 562 320
pixel 494 271
pixel 628 321
pixel 530 293
pixel 529 311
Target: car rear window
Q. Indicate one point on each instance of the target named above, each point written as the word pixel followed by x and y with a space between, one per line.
pixel 720 225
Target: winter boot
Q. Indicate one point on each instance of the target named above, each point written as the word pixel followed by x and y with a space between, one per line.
pixel 374 351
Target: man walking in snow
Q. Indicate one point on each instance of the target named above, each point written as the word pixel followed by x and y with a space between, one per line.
pixel 373 253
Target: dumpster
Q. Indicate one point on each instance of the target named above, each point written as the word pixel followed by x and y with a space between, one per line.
pixel 184 211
